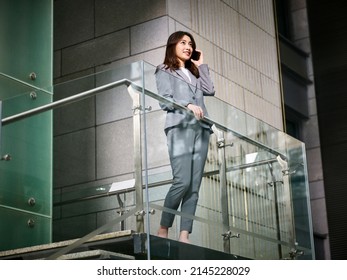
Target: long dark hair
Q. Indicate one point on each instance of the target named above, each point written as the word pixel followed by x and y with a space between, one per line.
pixel 171 61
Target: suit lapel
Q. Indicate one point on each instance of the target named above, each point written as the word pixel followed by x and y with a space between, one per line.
pixel 192 84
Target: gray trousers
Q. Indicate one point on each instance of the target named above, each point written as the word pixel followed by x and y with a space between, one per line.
pixel 188 147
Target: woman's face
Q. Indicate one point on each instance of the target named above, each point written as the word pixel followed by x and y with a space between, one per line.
pixel 184 49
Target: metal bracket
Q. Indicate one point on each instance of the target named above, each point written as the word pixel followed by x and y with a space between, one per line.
pixel 221 143
pixel 32 76
pixel 6 157
pixel 31 201
pixel 294 253
pixel 140 108
pixel 31 223
pixel 229 234
pixel 143 212
pixel 287 172
pixel 33 95
pixel 273 184
pixel 122 211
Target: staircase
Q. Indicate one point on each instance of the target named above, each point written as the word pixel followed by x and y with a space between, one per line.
pixel 121 245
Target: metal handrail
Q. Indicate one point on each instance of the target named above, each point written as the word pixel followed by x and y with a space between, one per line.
pixel 211 122
pixel 127 82
pixel 62 102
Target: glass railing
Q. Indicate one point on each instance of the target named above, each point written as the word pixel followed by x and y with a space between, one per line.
pixel 111 171
pixel 25 166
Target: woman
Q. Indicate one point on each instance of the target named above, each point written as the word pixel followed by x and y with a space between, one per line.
pixel 185 81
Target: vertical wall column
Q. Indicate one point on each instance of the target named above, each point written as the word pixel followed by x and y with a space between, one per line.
pixel 26 32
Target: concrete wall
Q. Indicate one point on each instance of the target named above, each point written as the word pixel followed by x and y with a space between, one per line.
pixel 310 132
pixel 237 37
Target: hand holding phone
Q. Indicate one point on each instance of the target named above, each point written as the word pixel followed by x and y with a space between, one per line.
pixel 196 55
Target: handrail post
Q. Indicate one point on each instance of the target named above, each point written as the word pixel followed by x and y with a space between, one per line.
pixel 277 215
pixel 223 191
pixel 287 193
pixel 137 158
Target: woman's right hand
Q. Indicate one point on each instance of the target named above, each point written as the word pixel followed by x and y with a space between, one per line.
pixel 200 60
pixel 197 110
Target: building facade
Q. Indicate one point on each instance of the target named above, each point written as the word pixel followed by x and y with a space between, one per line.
pixel 242 47
pixel 239 45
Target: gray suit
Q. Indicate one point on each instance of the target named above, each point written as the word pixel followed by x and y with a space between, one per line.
pixel 187 139
pixel 176 86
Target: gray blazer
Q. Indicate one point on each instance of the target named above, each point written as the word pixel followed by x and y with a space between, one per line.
pixel 175 85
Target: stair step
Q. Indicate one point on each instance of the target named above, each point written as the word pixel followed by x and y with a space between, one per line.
pixel 123 245
pixel 97 255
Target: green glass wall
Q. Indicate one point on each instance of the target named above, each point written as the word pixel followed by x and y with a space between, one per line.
pixel 26 28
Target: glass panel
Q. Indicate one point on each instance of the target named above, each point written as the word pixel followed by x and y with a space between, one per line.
pixel 254 205
pixel 298 179
pixel 26 145
pixel 26 229
pixel 112 172
pixel 26 43
pixel 26 177
pixel 94 154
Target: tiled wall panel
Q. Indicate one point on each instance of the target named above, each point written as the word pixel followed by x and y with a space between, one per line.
pixel 238 40
pixel 114 15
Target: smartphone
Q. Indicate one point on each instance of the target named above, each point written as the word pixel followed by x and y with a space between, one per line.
pixel 195 55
